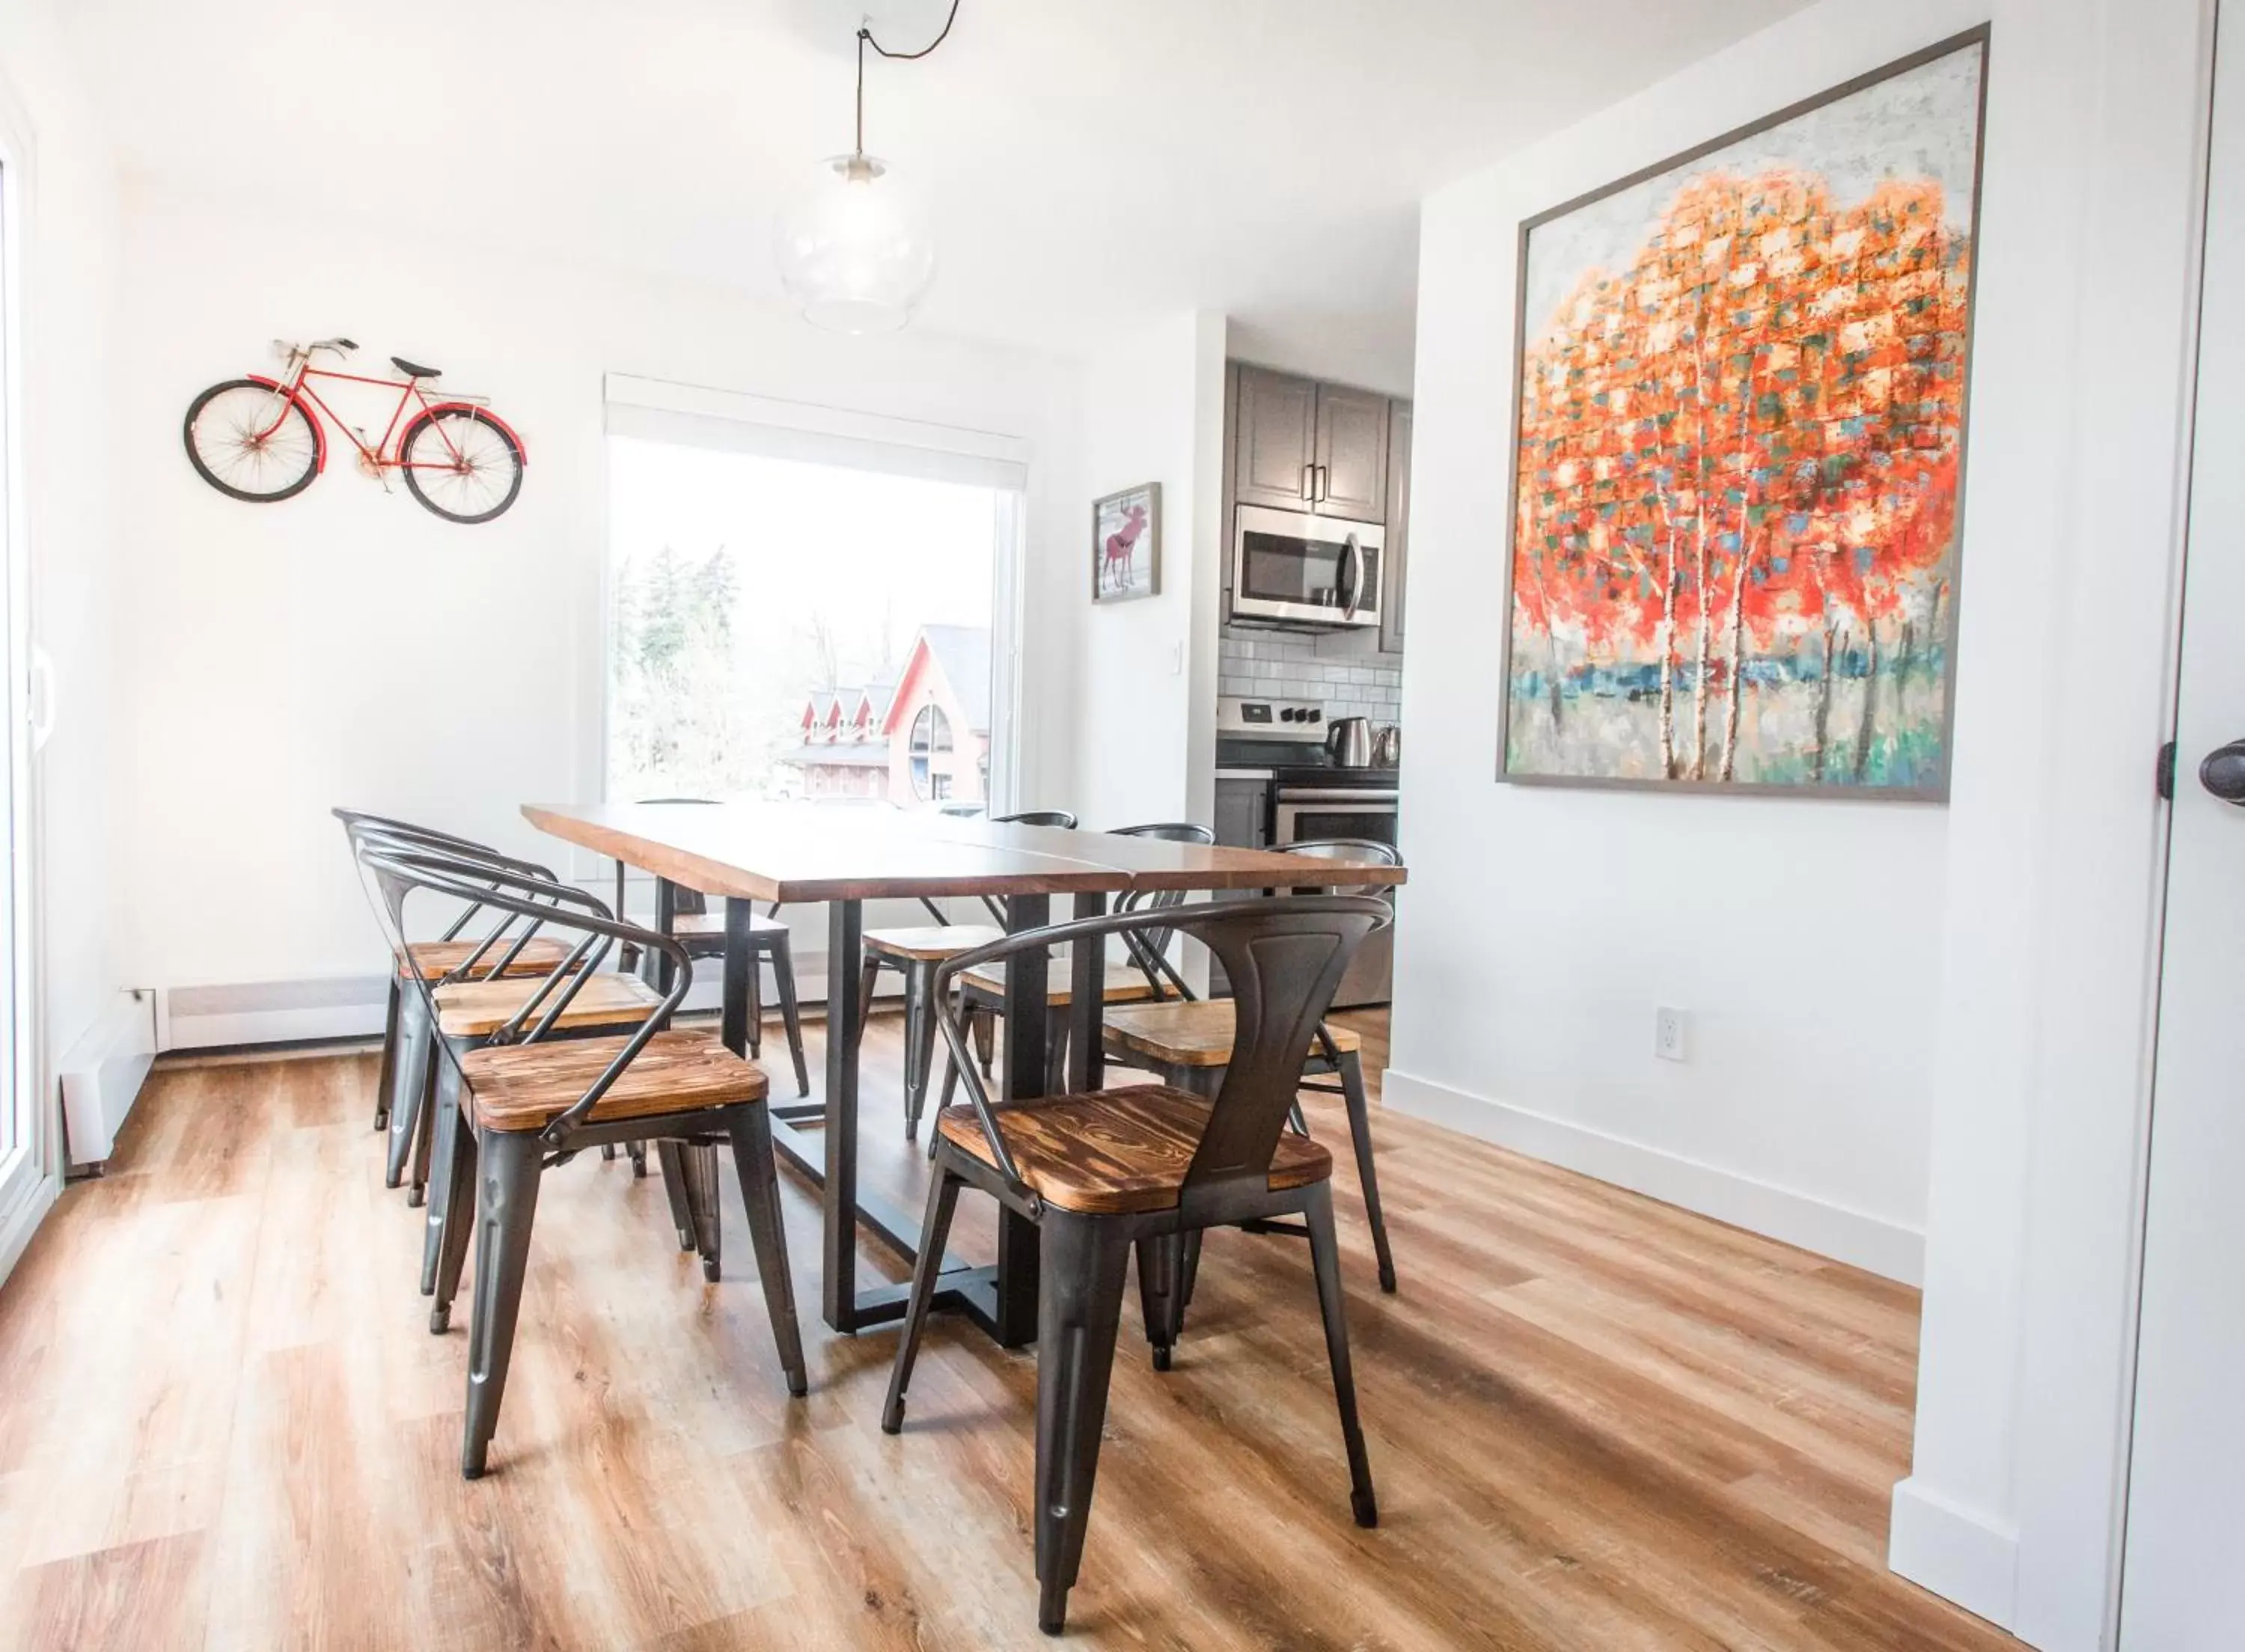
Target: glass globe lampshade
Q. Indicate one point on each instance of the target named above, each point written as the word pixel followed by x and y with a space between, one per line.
pixel 854 252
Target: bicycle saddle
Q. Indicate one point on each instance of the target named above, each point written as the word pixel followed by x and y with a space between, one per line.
pixel 414 370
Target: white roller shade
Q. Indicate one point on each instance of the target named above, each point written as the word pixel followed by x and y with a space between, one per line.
pixel 693 415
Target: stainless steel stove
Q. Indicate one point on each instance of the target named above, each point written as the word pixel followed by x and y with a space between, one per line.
pixel 1276 784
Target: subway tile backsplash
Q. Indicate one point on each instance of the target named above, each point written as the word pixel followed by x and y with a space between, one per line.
pixel 1271 665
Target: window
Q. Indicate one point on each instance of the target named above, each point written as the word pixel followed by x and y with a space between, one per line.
pixel 930 736
pixel 804 616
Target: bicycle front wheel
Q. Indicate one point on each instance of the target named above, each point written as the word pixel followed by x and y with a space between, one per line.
pixel 252 441
pixel 461 462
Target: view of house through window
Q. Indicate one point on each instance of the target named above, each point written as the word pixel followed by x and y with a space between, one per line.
pixel 782 629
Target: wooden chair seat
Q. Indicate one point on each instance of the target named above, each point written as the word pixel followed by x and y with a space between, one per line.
pixel 690 926
pixel 1125 984
pixel 523 1087
pixel 437 959
pixel 1116 1151
pixel 478 1009
pixel 931 943
pixel 1192 1034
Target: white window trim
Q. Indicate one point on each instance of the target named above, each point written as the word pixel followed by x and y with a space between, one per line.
pixel 737 420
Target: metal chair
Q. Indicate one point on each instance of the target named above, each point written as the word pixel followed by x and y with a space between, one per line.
pixel 1189 1045
pixel 1147 975
pixel 915 954
pixel 685 913
pixel 506 950
pixel 534 1104
pixel 1142 1167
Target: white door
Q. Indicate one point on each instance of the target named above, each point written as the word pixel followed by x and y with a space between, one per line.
pixel 2183 1578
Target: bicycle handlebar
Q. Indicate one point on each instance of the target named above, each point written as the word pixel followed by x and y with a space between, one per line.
pixel 340 345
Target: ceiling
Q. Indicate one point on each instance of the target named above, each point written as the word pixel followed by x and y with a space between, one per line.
pixel 1086 166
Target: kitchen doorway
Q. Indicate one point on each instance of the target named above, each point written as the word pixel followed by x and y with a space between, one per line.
pixel 2182 1589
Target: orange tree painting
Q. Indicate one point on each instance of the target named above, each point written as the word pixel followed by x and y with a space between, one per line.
pixel 1740 438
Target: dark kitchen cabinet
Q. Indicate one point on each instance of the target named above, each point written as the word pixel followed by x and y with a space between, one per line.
pixel 1300 446
pixel 1352 454
pixel 1242 813
pixel 1274 436
pixel 1399 529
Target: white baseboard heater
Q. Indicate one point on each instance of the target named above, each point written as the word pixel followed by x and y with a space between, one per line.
pixel 102 1074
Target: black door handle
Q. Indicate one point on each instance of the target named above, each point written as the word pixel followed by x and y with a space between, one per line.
pixel 2223 772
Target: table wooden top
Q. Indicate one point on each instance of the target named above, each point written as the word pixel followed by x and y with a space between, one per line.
pixel 804 852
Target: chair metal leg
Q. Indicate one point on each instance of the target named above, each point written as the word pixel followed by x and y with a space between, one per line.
pixel 1325 1258
pixel 447 1131
pixel 1190 1266
pixel 637 1150
pixel 388 1076
pixel 942 1199
pixel 1056 1030
pixel 984 1025
pixel 919 1051
pixel 950 1085
pixel 754 997
pixel 1079 1309
pixel 425 1129
pixel 1360 1128
pixel 1161 1292
pixel 752 1162
pixel 790 1013
pixel 868 978
pixel 414 1036
pixel 458 1222
pixel 670 1156
pixel 699 1184
pixel 607 1153
pixel 507 1201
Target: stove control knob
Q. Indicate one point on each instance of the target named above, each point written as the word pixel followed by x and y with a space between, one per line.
pixel 1286 714
pixel 1314 715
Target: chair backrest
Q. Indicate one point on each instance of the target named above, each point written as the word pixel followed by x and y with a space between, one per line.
pixel 366 832
pixel 1285 957
pixel 1361 849
pixel 1149 949
pixel 1059 817
pixel 399 873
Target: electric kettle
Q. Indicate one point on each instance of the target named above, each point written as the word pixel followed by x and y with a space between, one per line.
pixel 1349 741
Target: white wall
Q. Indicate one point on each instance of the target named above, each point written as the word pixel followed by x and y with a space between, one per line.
pixel 346 647
pixel 1145 669
pixel 69 255
pixel 1885 997
pixel 1802 938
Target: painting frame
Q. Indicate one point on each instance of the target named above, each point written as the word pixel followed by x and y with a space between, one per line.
pixel 1147 494
pixel 1935 790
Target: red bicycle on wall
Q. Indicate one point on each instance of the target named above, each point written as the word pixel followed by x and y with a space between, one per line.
pixel 260 439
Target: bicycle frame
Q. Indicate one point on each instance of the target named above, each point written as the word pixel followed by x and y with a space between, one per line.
pixel 380 455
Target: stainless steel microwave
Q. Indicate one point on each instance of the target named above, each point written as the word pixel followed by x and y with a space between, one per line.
pixel 1291 568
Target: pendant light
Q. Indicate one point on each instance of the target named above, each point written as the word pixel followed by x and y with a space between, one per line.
pixel 854 250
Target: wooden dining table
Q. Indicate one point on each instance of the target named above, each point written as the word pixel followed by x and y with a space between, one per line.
pixel 844 857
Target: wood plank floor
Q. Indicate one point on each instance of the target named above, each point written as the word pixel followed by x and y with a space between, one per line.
pixel 1596 1422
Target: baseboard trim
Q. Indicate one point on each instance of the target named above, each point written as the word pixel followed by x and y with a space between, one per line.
pixel 1958 1553
pixel 1871 1242
pixel 344 1008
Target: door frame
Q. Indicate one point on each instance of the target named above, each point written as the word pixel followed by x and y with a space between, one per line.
pixel 30 1171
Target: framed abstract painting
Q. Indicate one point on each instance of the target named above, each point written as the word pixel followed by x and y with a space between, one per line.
pixel 1738 452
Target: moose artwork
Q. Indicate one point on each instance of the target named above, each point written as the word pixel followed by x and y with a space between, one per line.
pixel 1126 544
pixel 1739 452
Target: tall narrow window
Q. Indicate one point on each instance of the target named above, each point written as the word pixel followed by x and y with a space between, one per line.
pixel 787 628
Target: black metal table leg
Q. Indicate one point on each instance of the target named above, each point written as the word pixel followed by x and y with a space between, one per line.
pixel 1087 998
pixel 1027 976
pixel 845 932
pixel 740 969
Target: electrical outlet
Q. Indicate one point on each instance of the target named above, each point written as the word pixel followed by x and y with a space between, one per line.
pixel 1668 1034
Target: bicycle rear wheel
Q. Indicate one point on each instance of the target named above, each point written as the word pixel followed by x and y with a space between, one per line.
pixel 252 441
pixel 461 462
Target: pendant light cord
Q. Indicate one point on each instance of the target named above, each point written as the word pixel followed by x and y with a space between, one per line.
pixel 865 39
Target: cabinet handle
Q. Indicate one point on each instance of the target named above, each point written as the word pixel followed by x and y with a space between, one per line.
pixel 1322 482
pixel 1310 483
